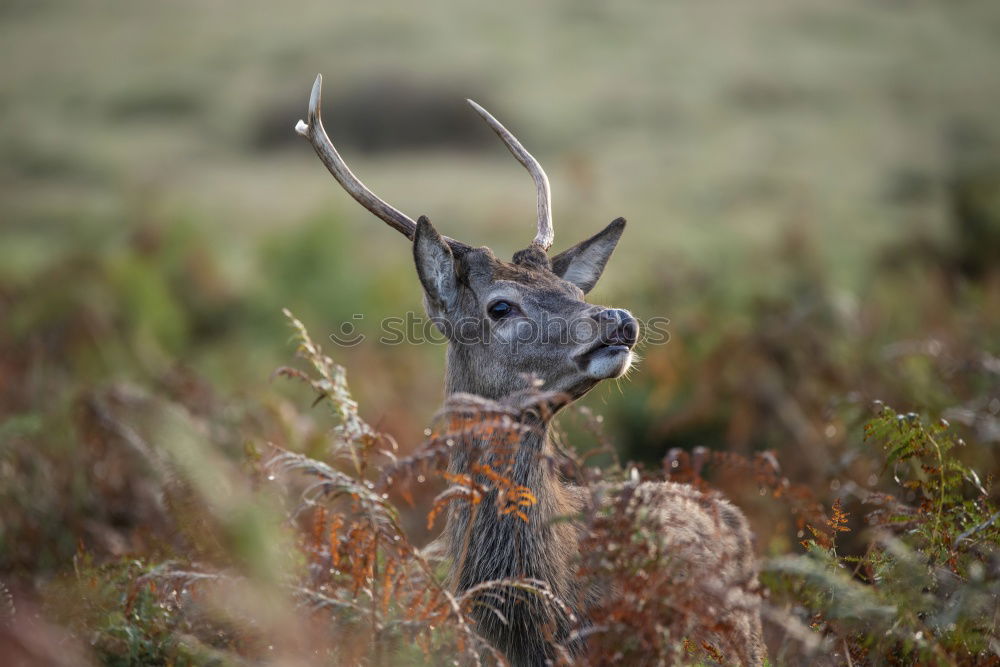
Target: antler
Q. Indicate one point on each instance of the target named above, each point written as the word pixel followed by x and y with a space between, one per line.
pixel 314 132
pixel 545 234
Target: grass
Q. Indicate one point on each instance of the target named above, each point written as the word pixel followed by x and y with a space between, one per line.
pixel 229 554
pixel 812 200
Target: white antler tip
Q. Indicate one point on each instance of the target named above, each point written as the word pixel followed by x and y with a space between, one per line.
pixel 302 128
pixel 481 111
pixel 314 96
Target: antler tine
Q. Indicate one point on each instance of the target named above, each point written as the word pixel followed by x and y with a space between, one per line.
pixel 545 234
pixel 314 132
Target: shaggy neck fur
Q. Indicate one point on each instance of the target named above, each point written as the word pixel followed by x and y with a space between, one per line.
pixel 488 546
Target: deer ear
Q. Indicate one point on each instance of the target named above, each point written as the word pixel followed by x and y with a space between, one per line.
pixel 435 265
pixel 584 263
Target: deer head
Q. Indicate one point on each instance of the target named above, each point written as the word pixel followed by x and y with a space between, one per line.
pixel 506 322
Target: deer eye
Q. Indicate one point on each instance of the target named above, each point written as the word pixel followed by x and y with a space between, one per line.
pixel 500 309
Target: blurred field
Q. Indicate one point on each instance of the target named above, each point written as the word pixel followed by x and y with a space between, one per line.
pixel 812 189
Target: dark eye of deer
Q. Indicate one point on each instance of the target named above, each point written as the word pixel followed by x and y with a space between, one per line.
pixel 500 310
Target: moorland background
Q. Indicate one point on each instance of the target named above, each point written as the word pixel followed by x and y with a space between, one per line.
pixel 812 189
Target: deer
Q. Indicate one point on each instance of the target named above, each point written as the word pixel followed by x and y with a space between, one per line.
pixel 513 305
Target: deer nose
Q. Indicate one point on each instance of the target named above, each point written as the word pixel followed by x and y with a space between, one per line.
pixel 617 327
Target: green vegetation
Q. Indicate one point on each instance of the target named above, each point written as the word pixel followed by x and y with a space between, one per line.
pixel 926 587
pixel 813 195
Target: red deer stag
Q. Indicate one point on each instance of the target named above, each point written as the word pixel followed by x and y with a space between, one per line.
pixel 534 326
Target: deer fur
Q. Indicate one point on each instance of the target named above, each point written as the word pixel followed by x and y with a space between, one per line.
pixel 709 535
pixel 547 335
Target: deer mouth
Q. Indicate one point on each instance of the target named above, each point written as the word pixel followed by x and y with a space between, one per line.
pixel 613 345
pixel 606 360
pixel 606 348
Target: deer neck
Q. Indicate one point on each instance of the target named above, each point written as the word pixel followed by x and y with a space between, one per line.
pixel 465 376
pixel 486 544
